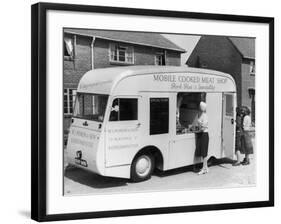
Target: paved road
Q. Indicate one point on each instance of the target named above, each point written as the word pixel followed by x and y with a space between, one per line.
pixel 221 175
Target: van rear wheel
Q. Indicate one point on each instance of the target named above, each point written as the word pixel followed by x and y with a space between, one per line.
pixel 142 167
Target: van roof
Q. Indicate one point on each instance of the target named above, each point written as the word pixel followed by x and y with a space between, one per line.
pixel 106 78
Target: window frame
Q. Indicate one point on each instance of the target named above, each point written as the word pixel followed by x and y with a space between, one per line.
pixel 67 94
pixel 252 69
pixel 229 110
pixel 122 97
pixel 161 54
pixel 129 53
pixel 73 41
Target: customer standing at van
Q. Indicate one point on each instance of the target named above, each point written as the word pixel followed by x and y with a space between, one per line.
pixel 238 136
pixel 202 137
pixel 243 144
pixel 247 144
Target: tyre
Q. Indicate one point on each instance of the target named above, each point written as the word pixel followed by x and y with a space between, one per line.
pixel 142 167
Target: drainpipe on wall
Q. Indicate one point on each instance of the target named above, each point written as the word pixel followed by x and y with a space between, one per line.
pixel 92 51
pixel 74 50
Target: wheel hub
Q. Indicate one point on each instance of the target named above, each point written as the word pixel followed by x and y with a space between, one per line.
pixel 143 166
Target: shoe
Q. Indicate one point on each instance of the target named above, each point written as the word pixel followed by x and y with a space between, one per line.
pixel 203 171
pixel 245 162
pixel 236 163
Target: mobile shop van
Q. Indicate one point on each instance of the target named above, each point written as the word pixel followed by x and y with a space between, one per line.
pixel 129 120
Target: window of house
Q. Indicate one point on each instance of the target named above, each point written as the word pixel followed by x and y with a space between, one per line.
pixel 160 58
pixel 124 109
pixel 159 116
pixel 68 48
pixel 121 53
pixel 253 104
pixel 187 111
pixel 68 100
pixel 252 68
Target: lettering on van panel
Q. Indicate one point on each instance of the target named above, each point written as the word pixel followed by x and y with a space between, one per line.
pixel 122 130
pixel 122 138
pixel 81 142
pixel 119 146
pixel 165 78
pixel 125 138
pixel 206 87
pixel 83 134
pixel 221 80
pixel 91 85
pixel 195 82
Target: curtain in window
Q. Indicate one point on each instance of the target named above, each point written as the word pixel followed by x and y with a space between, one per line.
pixel 68 45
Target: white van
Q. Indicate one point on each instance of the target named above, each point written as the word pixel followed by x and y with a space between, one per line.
pixel 129 120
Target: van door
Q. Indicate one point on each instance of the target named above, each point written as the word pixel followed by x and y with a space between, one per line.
pixel 228 128
pixel 122 131
pixel 156 122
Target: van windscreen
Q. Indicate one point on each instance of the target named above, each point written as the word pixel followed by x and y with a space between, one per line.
pixel 90 106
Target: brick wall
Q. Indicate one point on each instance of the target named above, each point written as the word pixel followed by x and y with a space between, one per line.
pixel 143 55
pixel 218 53
pixel 76 68
pixel 81 63
pixel 173 58
pixel 248 81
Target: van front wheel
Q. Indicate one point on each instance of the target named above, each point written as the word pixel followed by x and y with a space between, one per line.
pixel 142 167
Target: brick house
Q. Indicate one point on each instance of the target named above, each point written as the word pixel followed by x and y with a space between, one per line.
pixel 86 49
pixel 232 55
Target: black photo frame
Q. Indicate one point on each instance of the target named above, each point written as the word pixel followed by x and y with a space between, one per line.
pixel 40 122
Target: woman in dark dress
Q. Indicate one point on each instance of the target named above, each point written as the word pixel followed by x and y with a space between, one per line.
pixel 238 136
pixel 246 140
pixel 243 142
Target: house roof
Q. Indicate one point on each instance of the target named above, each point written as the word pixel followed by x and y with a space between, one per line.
pixel 246 46
pixel 139 38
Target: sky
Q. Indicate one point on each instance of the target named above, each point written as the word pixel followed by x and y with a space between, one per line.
pixel 187 42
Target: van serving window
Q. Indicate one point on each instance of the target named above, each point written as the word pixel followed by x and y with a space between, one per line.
pixel 159 116
pixel 187 111
pixel 124 109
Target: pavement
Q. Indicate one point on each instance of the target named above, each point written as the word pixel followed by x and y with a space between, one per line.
pixel 222 175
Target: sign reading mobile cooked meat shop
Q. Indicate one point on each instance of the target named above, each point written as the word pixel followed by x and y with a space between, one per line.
pixel 194 82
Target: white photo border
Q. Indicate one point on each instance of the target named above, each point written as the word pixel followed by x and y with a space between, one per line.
pixel 56 203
